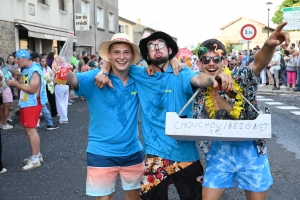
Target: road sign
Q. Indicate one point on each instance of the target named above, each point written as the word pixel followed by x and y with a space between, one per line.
pixel 248 32
pixel 290 9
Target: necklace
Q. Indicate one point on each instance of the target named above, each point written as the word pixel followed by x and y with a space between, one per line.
pixel 238 101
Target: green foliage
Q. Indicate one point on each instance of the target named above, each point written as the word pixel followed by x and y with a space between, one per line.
pixel 277 18
pixel 196 49
pixel 228 47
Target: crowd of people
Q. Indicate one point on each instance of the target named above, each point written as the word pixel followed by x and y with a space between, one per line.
pixel 164 85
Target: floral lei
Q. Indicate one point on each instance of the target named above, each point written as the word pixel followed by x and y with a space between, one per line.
pixel 238 104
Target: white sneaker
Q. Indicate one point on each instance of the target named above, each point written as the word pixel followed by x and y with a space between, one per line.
pixel 38 124
pixel 262 85
pixel 7 126
pixel 69 103
pixel 282 86
pixel 3 171
pixel 25 161
pixel 31 165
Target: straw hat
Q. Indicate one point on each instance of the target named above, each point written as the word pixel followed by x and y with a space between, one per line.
pixel 117 38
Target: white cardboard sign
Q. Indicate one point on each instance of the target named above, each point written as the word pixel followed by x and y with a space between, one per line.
pixel 217 130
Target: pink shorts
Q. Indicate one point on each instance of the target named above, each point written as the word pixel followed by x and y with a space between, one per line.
pixel 7 96
pixel 101 181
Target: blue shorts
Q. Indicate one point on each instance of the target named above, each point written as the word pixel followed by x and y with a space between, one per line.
pixel 102 172
pixel 230 161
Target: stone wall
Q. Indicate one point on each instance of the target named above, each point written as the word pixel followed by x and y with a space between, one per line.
pixel 7 39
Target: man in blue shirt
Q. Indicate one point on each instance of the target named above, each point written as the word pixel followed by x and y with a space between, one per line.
pixel 168 160
pixel 113 144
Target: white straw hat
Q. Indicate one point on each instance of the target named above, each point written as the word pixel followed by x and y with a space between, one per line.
pixel 117 38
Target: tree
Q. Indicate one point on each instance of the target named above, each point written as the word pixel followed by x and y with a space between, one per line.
pixel 277 18
pixel 195 50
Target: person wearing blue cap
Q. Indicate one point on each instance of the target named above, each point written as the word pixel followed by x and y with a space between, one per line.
pixel 32 97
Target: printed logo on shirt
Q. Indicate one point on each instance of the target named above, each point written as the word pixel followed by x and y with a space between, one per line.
pixel 134 92
pixel 168 90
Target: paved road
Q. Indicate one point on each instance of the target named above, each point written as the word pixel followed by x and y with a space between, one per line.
pixel 62 175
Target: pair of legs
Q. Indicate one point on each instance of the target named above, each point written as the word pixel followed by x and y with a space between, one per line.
pixel 291 79
pixel 29 117
pixel 4 108
pixel 276 77
pixel 228 162
pixel 61 98
pixel 216 194
pixel 102 172
pixel 160 173
pixel 270 77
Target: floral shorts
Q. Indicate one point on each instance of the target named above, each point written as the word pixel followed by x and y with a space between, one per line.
pixel 160 173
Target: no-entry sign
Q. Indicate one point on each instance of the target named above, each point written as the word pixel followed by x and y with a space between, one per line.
pixel 248 32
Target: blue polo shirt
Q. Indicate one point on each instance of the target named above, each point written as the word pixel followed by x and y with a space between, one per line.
pixel 113 127
pixel 158 94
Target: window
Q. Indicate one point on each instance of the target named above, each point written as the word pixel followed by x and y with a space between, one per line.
pixel 121 28
pixel 61 5
pixel 42 1
pixel 111 18
pixel 100 17
pixel 85 7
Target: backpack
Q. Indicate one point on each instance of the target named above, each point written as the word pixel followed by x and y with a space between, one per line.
pixel 282 62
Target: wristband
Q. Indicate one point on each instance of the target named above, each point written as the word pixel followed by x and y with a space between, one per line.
pixel 106 74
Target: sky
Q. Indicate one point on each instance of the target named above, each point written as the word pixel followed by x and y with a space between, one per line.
pixel 193 21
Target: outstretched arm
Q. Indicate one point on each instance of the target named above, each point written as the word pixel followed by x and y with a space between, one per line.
pixel 264 55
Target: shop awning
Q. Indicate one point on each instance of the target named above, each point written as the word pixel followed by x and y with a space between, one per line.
pixel 44 33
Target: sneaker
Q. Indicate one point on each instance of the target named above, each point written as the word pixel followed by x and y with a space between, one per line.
pixel 53 127
pixel 262 85
pixel 38 124
pixel 25 161
pixel 7 126
pixel 71 101
pixel 3 171
pixel 63 122
pixel 276 88
pixel 31 165
pixel 282 86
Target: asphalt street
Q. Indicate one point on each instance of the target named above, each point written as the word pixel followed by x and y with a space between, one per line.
pixel 63 172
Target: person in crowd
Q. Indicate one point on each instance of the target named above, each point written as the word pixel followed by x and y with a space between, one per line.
pixel 167 160
pixel 2 169
pixel 275 67
pixel 93 62
pixel 32 97
pixel 11 65
pixel 85 67
pixel 270 77
pixel 81 61
pixel 49 76
pixel 74 61
pixel 7 98
pixel 243 161
pixel 291 69
pixel 113 146
pixel 50 58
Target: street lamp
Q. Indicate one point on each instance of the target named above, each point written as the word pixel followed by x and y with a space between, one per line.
pixel 268 5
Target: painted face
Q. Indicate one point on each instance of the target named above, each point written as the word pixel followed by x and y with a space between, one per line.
pixel 120 56
pixel 158 52
pixel 211 63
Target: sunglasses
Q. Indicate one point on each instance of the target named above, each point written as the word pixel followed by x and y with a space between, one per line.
pixel 215 59
pixel 160 45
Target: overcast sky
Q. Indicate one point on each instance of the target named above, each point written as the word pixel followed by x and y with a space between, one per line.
pixel 193 21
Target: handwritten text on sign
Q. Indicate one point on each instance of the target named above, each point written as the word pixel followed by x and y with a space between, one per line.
pixel 225 130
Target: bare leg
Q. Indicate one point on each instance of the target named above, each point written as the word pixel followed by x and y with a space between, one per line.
pixel 255 195
pixel 133 194
pixel 212 193
pixel 34 140
pixel 5 112
pixel 108 197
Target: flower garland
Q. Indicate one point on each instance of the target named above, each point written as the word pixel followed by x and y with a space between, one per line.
pixel 239 100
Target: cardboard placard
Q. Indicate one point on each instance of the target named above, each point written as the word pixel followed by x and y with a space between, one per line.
pixel 217 130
